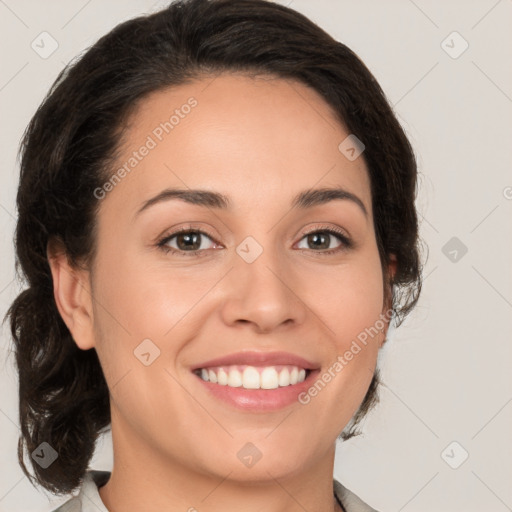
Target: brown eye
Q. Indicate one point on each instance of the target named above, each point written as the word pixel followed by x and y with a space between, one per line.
pixel 321 240
pixel 186 241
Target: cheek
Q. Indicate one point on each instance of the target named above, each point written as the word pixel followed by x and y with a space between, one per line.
pixel 146 299
pixel 136 303
pixel 348 298
pixel 349 302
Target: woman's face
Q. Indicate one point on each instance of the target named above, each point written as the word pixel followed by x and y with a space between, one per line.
pixel 245 294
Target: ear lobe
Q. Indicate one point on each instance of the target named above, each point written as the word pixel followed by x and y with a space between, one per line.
pixel 71 290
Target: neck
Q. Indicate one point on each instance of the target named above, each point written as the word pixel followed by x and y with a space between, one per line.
pixel 143 479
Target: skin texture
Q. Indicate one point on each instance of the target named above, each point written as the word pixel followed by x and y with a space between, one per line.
pixel 259 141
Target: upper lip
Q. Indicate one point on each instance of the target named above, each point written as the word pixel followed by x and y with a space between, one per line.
pixel 258 359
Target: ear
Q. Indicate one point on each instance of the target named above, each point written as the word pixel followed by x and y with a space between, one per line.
pixel 72 293
pixel 388 295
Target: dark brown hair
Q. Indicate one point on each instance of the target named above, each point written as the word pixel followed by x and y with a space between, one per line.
pixel 71 142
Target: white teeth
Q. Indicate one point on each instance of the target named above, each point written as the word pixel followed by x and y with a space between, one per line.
pixel 222 377
pixel 234 379
pixel 284 377
pixel 269 379
pixel 251 377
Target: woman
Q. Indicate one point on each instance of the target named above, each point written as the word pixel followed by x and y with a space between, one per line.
pixel 217 225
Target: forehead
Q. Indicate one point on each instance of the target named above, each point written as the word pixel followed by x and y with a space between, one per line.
pixel 257 140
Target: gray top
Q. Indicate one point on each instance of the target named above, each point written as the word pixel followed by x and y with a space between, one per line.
pixel 88 499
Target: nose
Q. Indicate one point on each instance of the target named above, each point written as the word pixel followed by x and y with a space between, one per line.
pixel 264 294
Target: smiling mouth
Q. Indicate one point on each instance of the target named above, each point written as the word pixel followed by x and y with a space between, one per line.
pixel 254 377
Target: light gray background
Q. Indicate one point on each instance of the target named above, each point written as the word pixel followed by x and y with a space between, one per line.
pixel 447 369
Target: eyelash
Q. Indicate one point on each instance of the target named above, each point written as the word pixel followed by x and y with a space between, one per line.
pixel 346 243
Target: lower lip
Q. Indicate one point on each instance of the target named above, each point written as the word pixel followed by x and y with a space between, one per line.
pixel 259 400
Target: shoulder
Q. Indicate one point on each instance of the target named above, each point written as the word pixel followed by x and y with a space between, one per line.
pixel 88 498
pixel 350 501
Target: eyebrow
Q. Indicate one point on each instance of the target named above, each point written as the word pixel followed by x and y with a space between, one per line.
pixel 305 199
